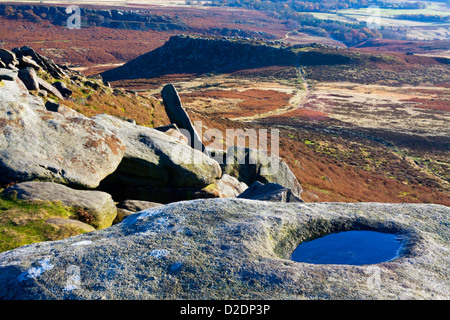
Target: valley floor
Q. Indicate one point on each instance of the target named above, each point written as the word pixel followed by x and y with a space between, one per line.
pixel 344 141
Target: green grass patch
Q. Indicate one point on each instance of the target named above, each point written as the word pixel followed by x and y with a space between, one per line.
pixel 23 222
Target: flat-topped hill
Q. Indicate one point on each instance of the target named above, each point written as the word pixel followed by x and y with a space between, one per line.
pixel 184 54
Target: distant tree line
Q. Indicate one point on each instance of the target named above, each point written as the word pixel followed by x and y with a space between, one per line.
pixel 117 19
pixel 404 5
pixel 295 13
pixel 316 5
pixel 424 17
pixel 349 33
pixel 296 5
pixel 22 12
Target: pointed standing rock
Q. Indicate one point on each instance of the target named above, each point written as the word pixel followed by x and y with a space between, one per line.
pixel 178 115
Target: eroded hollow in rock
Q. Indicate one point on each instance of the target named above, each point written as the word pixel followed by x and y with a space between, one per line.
pixel 357 247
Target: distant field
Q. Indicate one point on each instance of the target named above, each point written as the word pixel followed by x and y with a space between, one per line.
pixel 436 8
pixel 418 30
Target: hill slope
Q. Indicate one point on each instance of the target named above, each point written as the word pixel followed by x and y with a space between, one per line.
pixel 186 54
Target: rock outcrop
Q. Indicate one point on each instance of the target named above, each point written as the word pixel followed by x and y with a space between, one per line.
pixel 230 187
pixel 62 88
pixel 119 157
pixel 29 78
pixel 44 85
pixel 250 165
pixel 179 116
pixel 156 167
pixel 27 61
pixel 8 59
pixel 269 192
pixel 45 63
pixel 71 224
pixel 92 17
pixel 98 204
pixel 36 144
pixel 235 249
pixel 137 205
pixel 8 75
pixel 189 54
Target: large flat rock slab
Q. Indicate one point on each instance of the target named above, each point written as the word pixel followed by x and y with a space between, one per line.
pixel 235 249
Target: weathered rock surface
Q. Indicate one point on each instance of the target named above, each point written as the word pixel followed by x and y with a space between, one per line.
pixel 14 93
pixel 137 205
pixel 28 62
pixel 62 88
pixel 179 116
pixel 235 249
pixel 129 207
pixel 155 163
pixel 9 59
pixel 62 109
pixel 8 75
pixel 99 204
pixel 71 224
pixel 173 131
pixel 36 144
pixel 250 165
pixel 269 192
pixel 45 63
pixel 29 78
pixel 43 85
pixel 230 187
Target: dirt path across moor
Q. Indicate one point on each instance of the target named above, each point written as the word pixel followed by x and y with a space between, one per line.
pixel 296 102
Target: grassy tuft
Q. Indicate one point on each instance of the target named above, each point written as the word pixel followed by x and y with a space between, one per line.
pixel 22 222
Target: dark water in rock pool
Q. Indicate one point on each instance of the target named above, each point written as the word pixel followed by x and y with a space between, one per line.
pixel 349 247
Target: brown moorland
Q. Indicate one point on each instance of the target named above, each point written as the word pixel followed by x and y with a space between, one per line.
pixel 100 48
pixel 429 47
pixel 332 160
pixel 342 167
pixel 244 103
pixel 80 47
